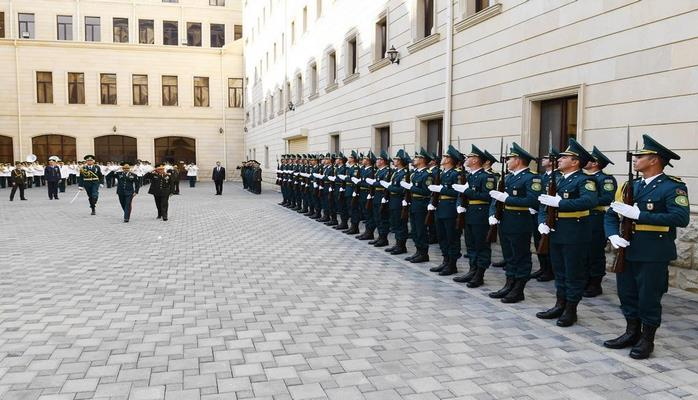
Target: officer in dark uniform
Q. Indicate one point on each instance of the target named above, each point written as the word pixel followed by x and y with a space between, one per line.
pixel 368 171
pixel 18 180
pixel 446 214
pixel 351 195
pixel 52 175
pixel 340 191
pixel 90 180
pixel 570 241
pixel 380 216
pixel 161 187
pixel 328 207
pixel 318 186
pixel 606 186
pixel 420 179
pixel 282 181
pixel 545 273
pixel 175 178
pixel 476 209
pixel 490 160
pixel 521 190
pixel 398 226
pixel 127 186
pixel 434 168
pixel 661 205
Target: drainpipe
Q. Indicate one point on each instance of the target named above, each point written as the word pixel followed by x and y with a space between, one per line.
pixel 19 103
pixel 224 105
pixel 446 140
pixel 78 23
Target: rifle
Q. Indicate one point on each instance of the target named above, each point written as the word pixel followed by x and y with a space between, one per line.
pixel 355 195
pixel 551 217
pixel 434 198
pixel 499 206
pixel 407 197
pixel 372 191
pixel 318 192
pixel 386 196
pixel 278 174
pixel 330 194
pixel 462 179
pixel 626 224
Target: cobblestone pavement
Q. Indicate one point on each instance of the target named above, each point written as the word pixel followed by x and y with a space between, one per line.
pixel 236 297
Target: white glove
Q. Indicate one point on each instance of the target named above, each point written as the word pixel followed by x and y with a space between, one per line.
pixel 533 211
pixel 617 241
pixel 341 189
pixel 370 181
pixel 322 187
pixel 460 188
pixel 303 184
pixel 295 173
pixel 81 188
pixel 460 209
pixel 342 177
pixel 406 185
pixel 332 178
pixel 625 210
pixel 499 196
pixel 436 188
pixel 543 229
pixel 319 176
pixel 492 221
pixel 384 200
pixel 369 197
pixel 384 184
pixel 550 201
pixel 355 180
pixel 315 185
pixel 353 194
pixel 330 189
pixel 404 203
pixel 431 207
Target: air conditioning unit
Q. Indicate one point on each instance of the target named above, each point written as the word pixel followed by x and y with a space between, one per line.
pixel 25 35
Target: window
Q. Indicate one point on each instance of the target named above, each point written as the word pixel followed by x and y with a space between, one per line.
pixel 271 106
pixel 281 100
pixel 259 114
pixel 216 2
pixel 92 29
pixel 237 32
pixel 274 52
pixel 313 79
pixel 559 117
pixel 318 9
pixel 6 148
pixel 334 143
pixel 266 156
pixel 194 34
pixel 146 31
pixel 120 30
pixel 428 17
pixel 45 146
pixel 64 25
pixel 305 19
pixel 169 91
pixel 170 33
pixel 265 110
pixel 235 93
pixel 217 35
pixel 2 24
pixel 107 88
pixel 351 57
pixel 299 89
pixel 434 135
pixel 116 148
pixel 289 99
pixel 293 32
pixel 383 139
pixel 200 91
pixel 140 90
pixel 76 88
pixel 381 39
pixel 481 5
pixel 26 26
pixel 332 68
pixel 44 87
pixel 179 148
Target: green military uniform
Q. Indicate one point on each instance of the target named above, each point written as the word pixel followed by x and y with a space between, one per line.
pixel 380 215
pixel 365 202
pixel 90 179
pixel 397 193
pixel 420 179
pixel 351 196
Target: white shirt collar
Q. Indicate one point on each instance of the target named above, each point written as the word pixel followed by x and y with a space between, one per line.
pixel 518 172
pixel 568 175
pixel 421 169
pixel 650 179
pixel 474 171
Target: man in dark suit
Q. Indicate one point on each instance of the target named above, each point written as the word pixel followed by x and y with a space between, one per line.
pixel 52 174
pixel 161 187
pixel 218 177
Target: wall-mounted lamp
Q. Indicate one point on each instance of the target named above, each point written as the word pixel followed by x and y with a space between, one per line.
pixel 244 129
pixel 114 129
pixel 291 107
pixel 393 55
pixel 220 130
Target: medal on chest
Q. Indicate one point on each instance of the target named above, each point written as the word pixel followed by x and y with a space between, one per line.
pixel 650 206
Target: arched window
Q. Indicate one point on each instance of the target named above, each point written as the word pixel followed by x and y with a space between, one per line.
pixel 116 148
pixel 45 146
pixel 175 149
pixel 6 152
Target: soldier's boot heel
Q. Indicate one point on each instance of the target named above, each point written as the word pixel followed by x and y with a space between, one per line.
pixel 354 229
pixel 569 316
pixel 441 266
pixel 593 288
pixel 413 256
pixel 478 279
pixel 627 339
pixel 382 241
pixel 421 257
pixel 367 235
pixel 554 312
pixel 467 277
pixel 538 273
pixel 644 348
pixel 451 268
pixel 400 248
pixel 547 275
pixel 499 264
pixel 508 285
pixel 517 292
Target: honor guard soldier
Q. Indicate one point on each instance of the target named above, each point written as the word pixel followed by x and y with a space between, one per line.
pixel 545 273
pixel 606 186
pixel 380 213
pixel 476 208
pixel 313 203
pixel 570 241
pixel 327 190
pixel 161 187
pixel 368 171
pixel 659 205
pixel 420 179
pixel 340 192
pixel 90 179
pixel 521 190
pixel 127 186
pixel 18 180
pixel 396 193
pixel 446 214
pixel 351 195
pixel 487 166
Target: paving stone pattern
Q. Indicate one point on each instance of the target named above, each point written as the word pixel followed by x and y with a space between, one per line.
pixel 237 298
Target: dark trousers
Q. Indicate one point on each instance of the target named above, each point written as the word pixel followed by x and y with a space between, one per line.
pixel 418 214
pixel 52 189
pixel 571 271
pixel 478 248
pixel 398 225
pixel 14 190
pixel 162 203
pixel 38 180
pixel 219 187
pixel 640 290
pixel 516 248
pixel 61 185
pixel 449 237
pixel 176 188
pixel 3 182
pixel 192 181
pixel 126 199
pixel 92 190
pixel 543 259
pixel 382 219
pixel 597 254
pixel 368 213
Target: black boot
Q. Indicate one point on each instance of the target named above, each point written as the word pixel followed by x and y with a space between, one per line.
pixel 325 217
pixel 508 285
pixel 478 279
pixel 629 338
pixel 382 241
pixel 367 235
pixel 645 346
pixel 569 316
pixel 450 269
pixel 441 266
pixel 353 229
pixel 593 288
pixel 538 273
pixel 93 211
pixel 333 220
pixel 413 256
pixel 499 264
pixel 517 292
pixel 554 312
pixel 343 225
pixel 547 274
pixel 467 277
pixel 391 248
pixel 399 248
pixel 422 256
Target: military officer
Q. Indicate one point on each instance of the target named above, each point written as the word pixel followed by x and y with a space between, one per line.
pixel 340 192
pixel 90 179
pixel 351 195
pixel 545 273
pixel 52 174
pixel 127 186
pixel 18 180
pixel 282 181
pixel 476 209
pixel 318 186
pixel 446 214
pixel 661 205
pixel 420 179
pixel 398 225
pixel 313 205
pixel 434 169
pixel 365 197
pixel 570 240
pixel 161 187
pixel 380 211
pixel 521 190
pixel 606 186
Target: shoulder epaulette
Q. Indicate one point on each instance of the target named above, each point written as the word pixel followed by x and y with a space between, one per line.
pixel 675 178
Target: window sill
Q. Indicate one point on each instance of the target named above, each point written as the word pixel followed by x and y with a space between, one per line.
pixel 423 43
pixel 351 78
pixel 331 87
pixel 379 64
pixel 313 96
pixel 478 17
pixel 281 112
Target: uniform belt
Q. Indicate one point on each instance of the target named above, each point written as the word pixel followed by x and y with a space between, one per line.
pixel 600 208
pixel 380 189
pixel 350 184
pixel 363 188
pixel 442 197
pixel 90 179
pixel 477 202
pixel 418 196
pixel 515 208
pixel 573 214
pixel 651 228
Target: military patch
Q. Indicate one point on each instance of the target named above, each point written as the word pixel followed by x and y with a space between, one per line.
pixel 681 192
pixel 429 180
pixel 590 186
pixel 536 186
pixel 515 192
pixel 608 187
pixel 682 201
pixel 566 195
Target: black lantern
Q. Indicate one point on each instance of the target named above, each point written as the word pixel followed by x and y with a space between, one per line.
pixel 291 107
pixel 393 55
